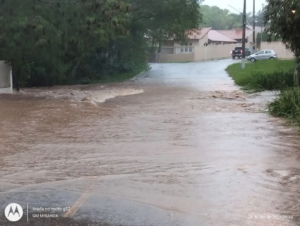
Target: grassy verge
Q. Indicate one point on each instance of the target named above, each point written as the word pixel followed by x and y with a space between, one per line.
pixel 263 75
pixel 287 105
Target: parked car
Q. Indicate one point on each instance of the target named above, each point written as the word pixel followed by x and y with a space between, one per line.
pixel 238 52
pixel 267 54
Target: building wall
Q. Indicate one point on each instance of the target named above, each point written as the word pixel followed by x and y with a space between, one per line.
pixel 178 46
pixel 176 58
pixel 203 40
pixel 5 78
pixel 197 53
pixel 214 52
pixel 279 48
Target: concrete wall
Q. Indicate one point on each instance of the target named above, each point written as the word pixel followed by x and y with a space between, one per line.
pixel 176 58
pixel 5 78
pixel 203 40
pixel 214 52
pixel 279 48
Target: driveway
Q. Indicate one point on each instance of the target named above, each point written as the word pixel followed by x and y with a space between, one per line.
pixel 188 148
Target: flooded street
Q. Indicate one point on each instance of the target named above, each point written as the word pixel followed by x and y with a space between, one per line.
pixel 179 145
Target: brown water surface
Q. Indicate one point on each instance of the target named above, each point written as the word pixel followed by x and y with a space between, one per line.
pixel 179 146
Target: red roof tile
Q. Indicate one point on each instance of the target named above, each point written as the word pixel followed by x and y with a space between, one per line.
pixel 198 33
pixel 235 33
pixel 218 37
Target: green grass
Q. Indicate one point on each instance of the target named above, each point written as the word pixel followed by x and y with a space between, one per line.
pixel 287 105
pixel 263 75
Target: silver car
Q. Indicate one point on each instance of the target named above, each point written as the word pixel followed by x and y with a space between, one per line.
pixel 267 54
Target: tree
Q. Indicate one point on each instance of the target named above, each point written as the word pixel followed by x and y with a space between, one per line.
pixel 284 18
pixel 222 19
pixel 216 18
pixel 48 41
pixel 50 37
pixel 166 19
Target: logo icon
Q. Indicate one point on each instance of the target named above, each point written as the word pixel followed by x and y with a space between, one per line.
pixel 13 212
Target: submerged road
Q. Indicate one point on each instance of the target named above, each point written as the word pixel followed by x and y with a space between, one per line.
pixel 192 149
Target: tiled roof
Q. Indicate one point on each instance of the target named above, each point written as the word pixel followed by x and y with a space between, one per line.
pixel 198 33
pixel 236 33
pixel 218 37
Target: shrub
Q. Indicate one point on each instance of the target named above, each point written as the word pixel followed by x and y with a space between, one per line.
pixel 263 75
pixel 287 105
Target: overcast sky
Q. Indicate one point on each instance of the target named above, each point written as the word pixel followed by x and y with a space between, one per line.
pixel 238 4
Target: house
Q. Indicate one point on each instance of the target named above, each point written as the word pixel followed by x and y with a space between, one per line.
pixel 237 34
pixel 200 37
pixel 214 37
pixel 196 37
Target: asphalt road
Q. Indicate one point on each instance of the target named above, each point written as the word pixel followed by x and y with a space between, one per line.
pixel 192 149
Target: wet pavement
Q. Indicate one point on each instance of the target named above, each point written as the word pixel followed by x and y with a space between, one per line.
pixel 180 145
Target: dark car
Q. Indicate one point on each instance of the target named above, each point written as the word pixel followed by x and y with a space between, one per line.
pixel 238 51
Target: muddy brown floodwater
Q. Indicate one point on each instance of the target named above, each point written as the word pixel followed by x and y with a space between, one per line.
pixel 181 145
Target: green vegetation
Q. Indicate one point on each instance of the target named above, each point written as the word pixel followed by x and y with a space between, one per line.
pixel 285 19
pixel 287 105
pixel 271 75
pixel 58 42
pixel 263 75
pixel 222 19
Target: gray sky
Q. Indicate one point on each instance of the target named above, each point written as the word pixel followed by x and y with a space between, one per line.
pixel 238 4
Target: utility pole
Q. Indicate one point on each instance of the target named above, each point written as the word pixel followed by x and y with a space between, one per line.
pixel 244 37
pixel 254 39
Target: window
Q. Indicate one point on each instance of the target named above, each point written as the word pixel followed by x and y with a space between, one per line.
pixel 268 52
pixel 187 48
pixel 191 48
pixel 260 53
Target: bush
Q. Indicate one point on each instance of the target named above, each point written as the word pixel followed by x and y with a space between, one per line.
pixel 287 105
pixel 263 75
pixel 276 80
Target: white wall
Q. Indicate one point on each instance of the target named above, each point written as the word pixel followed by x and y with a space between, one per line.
pixel 214 52
pixel 279 48
pixel 5 78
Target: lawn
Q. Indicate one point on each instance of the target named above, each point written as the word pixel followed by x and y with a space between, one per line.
pixel 263 75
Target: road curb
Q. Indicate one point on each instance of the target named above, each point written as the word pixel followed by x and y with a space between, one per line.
pixel 142 74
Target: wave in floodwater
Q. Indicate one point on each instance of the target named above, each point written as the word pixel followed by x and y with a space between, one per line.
pixel 101 97
pixel 93 96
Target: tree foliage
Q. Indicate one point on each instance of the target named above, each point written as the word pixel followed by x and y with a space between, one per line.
pixel 283 23
pixel 52 42
pixel 222 19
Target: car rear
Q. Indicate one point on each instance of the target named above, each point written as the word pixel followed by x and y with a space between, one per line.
pixel 274 54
